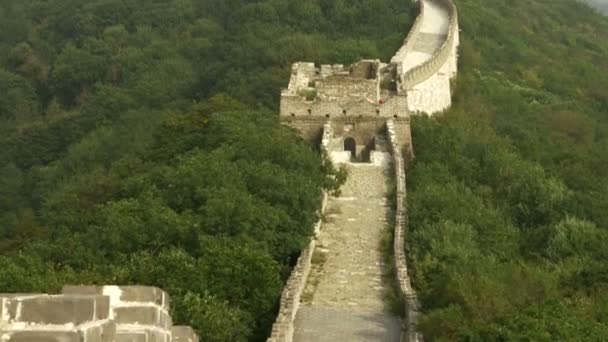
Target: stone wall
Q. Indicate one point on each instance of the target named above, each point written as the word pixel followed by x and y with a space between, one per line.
pixel 428 86
pixel 343 88
pixel 409 41
pixel 297 106
pixel 283 327
pixel 441 56
pixel 362 128
pixel 91 314
pixel 309 127
pixel 348 110
pixel 410 331
pixel 333 91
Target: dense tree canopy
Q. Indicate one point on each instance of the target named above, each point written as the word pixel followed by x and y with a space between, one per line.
pixel 508 196
pixel 138 145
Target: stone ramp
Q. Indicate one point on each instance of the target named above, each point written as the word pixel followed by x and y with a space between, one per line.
pixel 317 324
pixel 344 297
pixel 433 33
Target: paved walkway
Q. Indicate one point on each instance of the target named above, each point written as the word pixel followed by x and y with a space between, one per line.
pixel 344 298
pixel 433 32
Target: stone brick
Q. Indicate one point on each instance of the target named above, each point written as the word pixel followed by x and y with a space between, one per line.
pixel 103 332
pixel 62 309
pixel 183 334
pixel 143 336
pixel 158 336
pixel 44 336
pixel 8 304
pixel 165 320
pixel 131 336
pixel 144 294
pixel 145 315
pixel 82 290
pixel 147 294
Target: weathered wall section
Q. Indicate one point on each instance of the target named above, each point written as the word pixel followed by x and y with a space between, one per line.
pixel 336 91
pixel 416 80
pixel 427 85
pixel 408 44
pixel 446 54
pixel 297 106
pixel 283 327
pixel 410 331
pixel 328 105
pixel 91 314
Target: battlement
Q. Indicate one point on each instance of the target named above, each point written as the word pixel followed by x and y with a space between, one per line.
pixel 366 88
pixel 417 79
pixel 91 314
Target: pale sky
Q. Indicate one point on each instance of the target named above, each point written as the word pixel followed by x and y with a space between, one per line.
pixel 602 4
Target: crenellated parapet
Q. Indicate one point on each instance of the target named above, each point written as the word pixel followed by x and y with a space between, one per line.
pixel 366 88
pixel 91 314
pixel 440 57
pixel 428 59
pixel 395 132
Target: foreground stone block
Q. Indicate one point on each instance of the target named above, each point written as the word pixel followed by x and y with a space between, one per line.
pixel 90 314
pixel 43 336
pixel 137 336
pixel 143 315
pixel 46 309
pixel 143 336
pixel 103 332
pixel 184 334
pixel 145 294
pixel 64 310
pixel 142 294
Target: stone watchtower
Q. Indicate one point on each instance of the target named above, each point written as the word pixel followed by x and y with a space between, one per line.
pixel 356 101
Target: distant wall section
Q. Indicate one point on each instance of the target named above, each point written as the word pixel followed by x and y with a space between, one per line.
pixel 427 85
pixel 410 299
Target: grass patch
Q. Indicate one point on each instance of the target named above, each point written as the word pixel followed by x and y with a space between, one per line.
pixel 318 258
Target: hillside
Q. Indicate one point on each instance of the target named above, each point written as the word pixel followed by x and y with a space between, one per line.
pixel 140 144
pixel 509 192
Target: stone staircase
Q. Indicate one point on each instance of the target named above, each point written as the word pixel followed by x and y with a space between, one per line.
pixel 344 299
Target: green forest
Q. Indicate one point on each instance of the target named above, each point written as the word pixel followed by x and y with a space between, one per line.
pixel 140 144
pixel 508 195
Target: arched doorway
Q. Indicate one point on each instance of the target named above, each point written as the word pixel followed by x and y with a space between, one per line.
pixel 351 145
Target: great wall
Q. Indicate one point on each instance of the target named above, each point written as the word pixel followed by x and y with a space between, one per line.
pixel 360 116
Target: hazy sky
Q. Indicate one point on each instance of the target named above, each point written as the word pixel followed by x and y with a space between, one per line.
pixel 601 4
